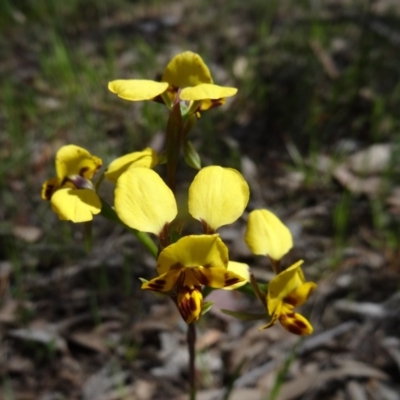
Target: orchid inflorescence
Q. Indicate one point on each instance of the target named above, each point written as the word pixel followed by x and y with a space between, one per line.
pixel 145 202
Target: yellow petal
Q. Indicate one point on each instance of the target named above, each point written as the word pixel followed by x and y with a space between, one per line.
pixel 296 323
pixel 143 201
pixel 189 278
pixel 300 295
pixel 193 251
pixel 283 284
pixel 208 104
pixel 240 269
pixel 49 187
pixel 267 235
pixel 147 158
pixel 190 303
pixel 75 160
pixel 76 205
pixel 218 278
pixel 137 89
pixel 163 283
pixel 218 196
pixel 206 91
pixel 186 69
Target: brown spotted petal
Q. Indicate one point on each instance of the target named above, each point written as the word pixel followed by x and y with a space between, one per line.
pixel 217 277
pixel 300 295
pixel 190 302
pixel 49 187
pixel 75 160
pixel 296 323
pixel 163 283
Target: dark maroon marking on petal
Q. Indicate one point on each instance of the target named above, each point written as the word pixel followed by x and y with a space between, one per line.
pixel 48 192
pixel 291 314
pixel 207 230
pixel 163 237
pixel 214 103
pixel 184 309
pixel 83 170
pixel 232 281
pixel 160 281
pixel 300 324
pixel 158 99
pixel 176 266
pixel 204 280
pixel 200 276
pixel 290 300
pixel 294 329
pixel 297 327
pixel 154 286
pixel 207 265
pixel 192 304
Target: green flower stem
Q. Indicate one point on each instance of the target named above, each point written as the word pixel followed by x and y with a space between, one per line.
pixel 108 212
pixel 257 290
pixel 99 182
pixel 188 123
pixel 191 341
pixel 174 135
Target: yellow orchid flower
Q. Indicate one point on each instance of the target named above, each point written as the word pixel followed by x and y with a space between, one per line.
pixel 185 78
pixel 285 292
pixel 144 202
pixel 71 193
pixel 267 235
pixel 147 158
pixel 186 265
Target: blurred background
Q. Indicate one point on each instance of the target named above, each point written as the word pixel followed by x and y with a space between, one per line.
pixel 315 130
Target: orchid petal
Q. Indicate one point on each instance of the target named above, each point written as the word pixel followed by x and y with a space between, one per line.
pixel 241 270
pixel 218 196
pixel 137 89
pixel 296 323
pixel 147 158
pixel 163 283
pixel 283 284
pixel 218 278
pixel 301 294
pixel 208 251
pixel 49 187
pixel 143 201
pixel 76 205
pixel 75 160
pixel 190 302
pixel 267 235
pixel 206 91
pixel 186 69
